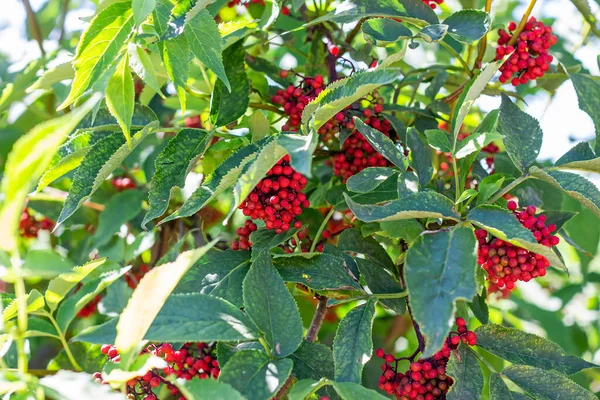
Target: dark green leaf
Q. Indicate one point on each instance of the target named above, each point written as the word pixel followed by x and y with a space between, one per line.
pixel 321 272
pixel 408 183
pixel 485 134
pixel 420 157
pixel 468 26
pixel 439 140
pixel 302 389
pixel 383 31
pixel 380 281
pixel 546 385
pixel 588 90
pixel 354 391
pixel 439 269
pixel 227 106
pixel 480 308
pixel 368 179
pixel 382 144
pixel 120 209
pixel 498 389
pixel 503 224
pixel 263 240
pixel 274 310
pixel 464 368
pixel 312 361
pixel 520 347
pixel 117 296
pixel 255 375
pixel 200 389
pixel 488 186
pixel 44 264
pixel 206 44
pixel 218 273
pixel 418 205
pixel 172 166
pixel 407 229
pixel 433 33
pixel 580 156
pixel 88 356
pixel 522 134
pixel 558 218
pixel 352 241
pixel 300 148
pixel 353 343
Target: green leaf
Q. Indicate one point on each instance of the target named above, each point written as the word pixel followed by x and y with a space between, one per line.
pixel 206 44
pixel 28 160
pixel 380 281
pixel 201 389
pixel 352 241
pixel 69 308
pixel 439 140
pixel 488 186
pixel 51 76
pixel 383 31
pixel 62 167
pixel 408 183
pixel 440 269
pixel 406 229
pixel 342 93
pixel 172 166
pixel 485 134
pixel 470 93
pixel 263 240
pixel 498 389
pixel 322 272
pixel 546 385
pixel 99 47
pixel 141 9
pixel 45 264
pixel 258 125
pixel 433 33
pixel 120 96
pixel 382 144
pixel 37 327
pixel 572 184
pixel 115 301
pixel 408 10
pixel 468 26
pixel 102 159
pixel 300 148
pixel 418 205
pixel 255 375
pixel 522 134
pixel 558 218
pixel 35 302
pixel 466 372
pixel 588 90
pixel 274 310
pixel 520 347
pixel 218 273
pixel 503 224
pixel 353 342
pixel 120 209
pixel 313 361
pixel 141 63
pixel 420 158
pixel 176 56
pixel 302 389
pixel 60 286
pixel 354 391
pixel 228 106
pixel 479 306
pixel 580 157
pixel 69 385
pixel 147 300
pixel 368 179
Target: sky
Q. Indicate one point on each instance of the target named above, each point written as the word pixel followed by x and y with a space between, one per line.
pixel 560 117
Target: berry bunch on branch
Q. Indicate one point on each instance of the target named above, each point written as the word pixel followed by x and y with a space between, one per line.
pixel 29 226
pixel 293 99
pixel 505 263
pixel 191 361
pixel 426 378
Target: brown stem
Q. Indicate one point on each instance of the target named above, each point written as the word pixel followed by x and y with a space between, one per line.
pixel 63 18
pixel 266 107
pixel 521 26
pixel 420 337
pixel 34 26
pixel 352 34
pixel 284 389
pixel 483 41
pixel 317 321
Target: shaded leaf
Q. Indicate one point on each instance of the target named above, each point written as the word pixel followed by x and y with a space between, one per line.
pixel 368 179
pixel 468 26
pixel 546 385
pixel 380 281
pixel 466 372
pixel 322 272
pixel 383 31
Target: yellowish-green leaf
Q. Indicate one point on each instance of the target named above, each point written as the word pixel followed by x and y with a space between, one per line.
pixel 120 97
pixel 60 286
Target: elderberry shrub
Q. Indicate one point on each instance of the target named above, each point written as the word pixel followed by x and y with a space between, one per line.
pixel 293 99
pixel 191 361
pixel 426 378
pixel 278 198
pixel 243 241
pixel 530 59
pixel 506 263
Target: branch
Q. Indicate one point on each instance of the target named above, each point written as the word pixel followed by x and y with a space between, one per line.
pixel 317 321
pixel 34 26
pixel 521 26
pixel 483 42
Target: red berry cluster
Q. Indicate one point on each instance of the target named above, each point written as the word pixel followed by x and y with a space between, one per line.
pixel 505 263
pixel 277 199
pixel 191 361
pixel 121 183
pixel 531 59
pixel 426 378
pixel 193 122
pixel 433 3
pixel 90 308
pixel 243 242
pixel 29 226
pixel 293 99
pixel 132 278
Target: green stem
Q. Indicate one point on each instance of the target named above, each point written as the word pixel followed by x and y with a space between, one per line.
pixel 321 229
pixel 483 360
pixel 21 294
pixel 508 188
pixel 205 76
pixel 391 295
pixel 457 190
pixel 322 383
pixel 265 344
pixel 458 57
pixel 63 340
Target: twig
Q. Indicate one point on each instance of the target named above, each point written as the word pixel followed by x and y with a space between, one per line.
pixel 266 107
pixel 352 34
pixel 521 26
pixel 317 321
pixel 508 188
pixel 458 57
pixel 420 337
pixel 483 41
pixel 321 229
pixel 34 26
